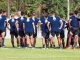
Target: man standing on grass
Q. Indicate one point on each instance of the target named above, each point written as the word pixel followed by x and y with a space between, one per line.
pixel 2 27
pixel 4 32
pixel 21 29
pixel 44 29
pixel 29 27
pixel 55 25
pixel 12 28
pixel 73 24
pixel 62 35
pixel 35 19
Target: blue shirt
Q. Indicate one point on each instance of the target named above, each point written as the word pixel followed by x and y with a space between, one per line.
pixel 64 23
pixel 55 23
pixel 12 24
pixel 35 20
pixel 29 25
pixel 74 22
pixel 20 22
pixel 44 22
pixel 2 21
pixel 5 19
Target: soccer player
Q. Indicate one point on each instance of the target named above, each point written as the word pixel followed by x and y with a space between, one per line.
pixel 4 31
pixel 29 30
pixel 2 27
pixel 21 29
pixel 73 24
pixel 62 35
pixel 55 25
pixel 44 29
pixel 35 19
pixel 12 28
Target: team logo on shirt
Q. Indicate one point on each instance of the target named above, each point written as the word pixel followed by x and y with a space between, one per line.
pixel 46 20
pixel 12 20
pixel 28 20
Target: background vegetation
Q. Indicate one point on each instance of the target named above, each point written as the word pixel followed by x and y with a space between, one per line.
pixel 39 6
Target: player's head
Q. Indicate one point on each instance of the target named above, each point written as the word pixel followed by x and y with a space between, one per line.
pixel 22 13
pixel 28 15
pixel 71 14
pixel 4 13
pixel 33 14
pixel 12 16
pixel 19 13
pixel 45 14
pixel 52 13
pixel 75 13
pixel 61 16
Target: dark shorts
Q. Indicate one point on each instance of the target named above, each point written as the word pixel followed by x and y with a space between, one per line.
pixel 14 33
pixel 21 33
pixel 53 33
pixel 45 35
pixel 29 33
pixel 62 35
pixel 74 31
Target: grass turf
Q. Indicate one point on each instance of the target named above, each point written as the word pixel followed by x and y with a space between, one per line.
pixel 10 53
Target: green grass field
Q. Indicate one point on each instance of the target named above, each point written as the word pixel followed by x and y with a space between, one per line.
pixel 9 53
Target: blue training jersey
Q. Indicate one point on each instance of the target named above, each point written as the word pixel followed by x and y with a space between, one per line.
pixel 29 25
pixel 55 23
pixel 20 22
pixel 35 20
pixel 74 22
pixel 44 22
pixel 2 21
pixel 12 24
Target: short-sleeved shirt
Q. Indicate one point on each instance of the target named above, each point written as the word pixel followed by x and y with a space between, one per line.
pixel 35 20
pixel 29 25
pixel 4 18
pixel 44 22
pixel 2 21
pixel 74 22
pixel 12 24
pixel 20 22
pixel 55 23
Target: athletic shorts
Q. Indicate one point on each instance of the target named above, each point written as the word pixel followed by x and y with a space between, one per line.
pixel 21 33
pixel 62 35
pixel 74 31
pixel 14 33
pixel 29 33
pixel 45 35
pixel 53 33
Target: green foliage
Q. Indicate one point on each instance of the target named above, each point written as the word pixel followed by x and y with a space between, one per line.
pixel 59 6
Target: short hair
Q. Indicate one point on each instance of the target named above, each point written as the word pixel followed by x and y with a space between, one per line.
pixel 75 12
pixel 61 16
pixel 22 13
pixel 28 14
pixel 4 11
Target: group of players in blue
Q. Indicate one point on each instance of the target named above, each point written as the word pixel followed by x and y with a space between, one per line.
pixel 24 28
